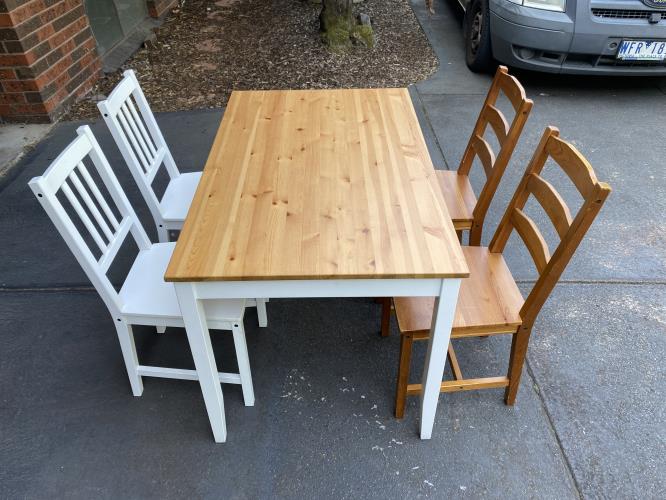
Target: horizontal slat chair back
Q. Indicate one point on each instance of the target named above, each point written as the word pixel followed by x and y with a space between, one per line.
pixel 135 130
pixel 107 228
pixel 571 230
pixel 507 137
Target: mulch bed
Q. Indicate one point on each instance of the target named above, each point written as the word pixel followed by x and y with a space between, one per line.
pixel 207 48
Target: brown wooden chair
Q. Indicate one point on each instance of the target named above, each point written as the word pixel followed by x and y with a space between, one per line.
pixel 489 301
pixel 466 211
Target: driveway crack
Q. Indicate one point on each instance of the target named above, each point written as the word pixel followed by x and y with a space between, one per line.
pixel 432 130
pixel 551 423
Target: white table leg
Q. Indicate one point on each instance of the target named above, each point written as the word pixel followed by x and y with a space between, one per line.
pixel 440 333
pixel 204 360
pixel 261 312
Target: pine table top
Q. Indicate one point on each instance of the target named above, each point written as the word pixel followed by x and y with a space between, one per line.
pixel 318 184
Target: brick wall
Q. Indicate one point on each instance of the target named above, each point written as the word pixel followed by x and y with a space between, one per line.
pixel 156 8
pixel 48 57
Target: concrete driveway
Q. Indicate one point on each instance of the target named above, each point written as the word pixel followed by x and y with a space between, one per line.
pixel 589 420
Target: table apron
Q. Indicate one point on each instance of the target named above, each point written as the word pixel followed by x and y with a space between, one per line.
pixel 412 287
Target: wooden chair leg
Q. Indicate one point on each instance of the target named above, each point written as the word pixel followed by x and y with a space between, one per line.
pixel 453 363
pixel 519 344
pixel 386 316
pixel 460 234
pixel 474 239
pixel 406 342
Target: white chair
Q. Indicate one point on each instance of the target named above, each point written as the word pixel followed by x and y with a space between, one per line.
pixel 144 298
pixel 144 149
pixel 133 126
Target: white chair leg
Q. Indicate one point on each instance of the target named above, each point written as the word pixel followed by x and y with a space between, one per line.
pixel 162 234
pixel 128 348
pixel 160 329
pixel 243 363
pixel 261 312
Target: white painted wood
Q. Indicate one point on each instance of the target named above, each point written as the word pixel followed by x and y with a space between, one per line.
pixel 143 130
pixel 128 348
pixel 128 116
pixel 262 316
pixel 204 359
pixel 426 287
pixel 135 132
pixel 177 198
pixel 445 289
pixel 243 363
pixel 83 216
pixel 90 205
pixel 183 374
pixel 145 162
pixel 155 165
pixel 134 128
pixel 115 190
pixel 433 370
pixel 162 234
pixel 115 244
pixel 98 196
pixel 144 298
pixel 63 165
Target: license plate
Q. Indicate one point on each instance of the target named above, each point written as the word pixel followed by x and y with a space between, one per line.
pixel 642 50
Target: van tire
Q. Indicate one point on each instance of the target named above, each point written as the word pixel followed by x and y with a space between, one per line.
pixel 478 53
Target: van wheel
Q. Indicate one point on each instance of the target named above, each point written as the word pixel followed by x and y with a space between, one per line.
pixel 478 54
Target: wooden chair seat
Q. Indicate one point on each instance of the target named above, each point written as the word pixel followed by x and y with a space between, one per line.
pixel 459 197
pixel 489 301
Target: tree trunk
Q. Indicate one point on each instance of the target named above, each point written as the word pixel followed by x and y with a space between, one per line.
pixel 337 25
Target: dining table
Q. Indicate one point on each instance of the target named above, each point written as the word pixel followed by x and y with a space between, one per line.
pixel 317 193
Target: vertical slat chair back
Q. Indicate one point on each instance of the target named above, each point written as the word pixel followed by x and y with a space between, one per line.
pixel 69 175
pixel 571 230
pixel 133 126
pixel 507 137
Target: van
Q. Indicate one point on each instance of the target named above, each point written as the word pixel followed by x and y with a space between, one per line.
pixel 604 37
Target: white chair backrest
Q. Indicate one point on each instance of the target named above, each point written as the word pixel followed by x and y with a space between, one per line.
pixel 69 175
pixel 133 126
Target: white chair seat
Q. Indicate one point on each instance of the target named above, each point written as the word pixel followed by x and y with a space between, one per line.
pixel 178 196
pixel 146 294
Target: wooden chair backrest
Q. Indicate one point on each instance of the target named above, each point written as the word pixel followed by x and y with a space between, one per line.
pixel 133 126
pixel 507 137
pixel 571 230
pixel 68 174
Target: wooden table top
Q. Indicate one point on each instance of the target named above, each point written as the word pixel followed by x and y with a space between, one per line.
pixel 318 184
